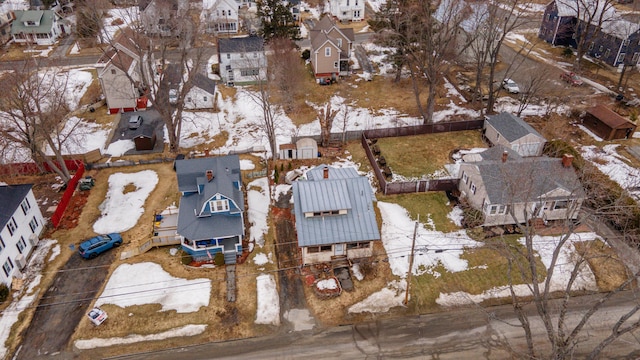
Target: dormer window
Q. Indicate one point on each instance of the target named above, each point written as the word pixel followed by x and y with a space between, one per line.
pixel 219 205
pixel 30 23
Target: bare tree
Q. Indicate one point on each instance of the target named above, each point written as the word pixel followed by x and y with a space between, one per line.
pixel 326 116
pixel 34 114
pixel 270 118
pixel 286 70
pixel 535 84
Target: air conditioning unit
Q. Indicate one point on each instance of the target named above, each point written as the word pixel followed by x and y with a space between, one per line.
pixel 21 262
pixel 34 240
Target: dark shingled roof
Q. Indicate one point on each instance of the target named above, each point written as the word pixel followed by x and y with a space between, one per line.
pixel 204 83
pixel 10 197
pixel 241 44
pixel 511 127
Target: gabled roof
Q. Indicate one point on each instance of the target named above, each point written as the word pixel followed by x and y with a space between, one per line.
pixel 125 50
pixel 609 117
pixel 319 38
pixel 317 173
pixel 202 82
pixel 191 173
pixel 10 197
pixel 352 194
pixel 325 25
pixel 144 131
pixel 241 44
pixel 519 180
pixel 511 127
pixel 45 17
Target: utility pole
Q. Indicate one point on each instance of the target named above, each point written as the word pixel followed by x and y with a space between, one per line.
pixel 413 247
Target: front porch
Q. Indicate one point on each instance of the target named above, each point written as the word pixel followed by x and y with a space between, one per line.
pixel 206 249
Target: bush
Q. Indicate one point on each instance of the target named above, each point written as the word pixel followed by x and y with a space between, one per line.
pixel 556 148
pixel 4 292
pixel 185 258
pixel 218 259
pixel 471 217
pixel 306 54
pixel 567 52
pixel 215 69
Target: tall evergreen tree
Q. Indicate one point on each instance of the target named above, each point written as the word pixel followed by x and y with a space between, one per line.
pixel 277 20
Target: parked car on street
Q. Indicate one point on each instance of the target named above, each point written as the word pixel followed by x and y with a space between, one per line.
pixel 173 96
pixel 135 122
pixel 510 86
pixel 97 316
pixel 95 246
pixel 571 78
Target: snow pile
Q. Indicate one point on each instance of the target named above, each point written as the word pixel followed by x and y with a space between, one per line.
pixel 187 330
pixel 120 210
pixel 383 300
pixel 456 215
pixel 118 148
pixel 258 209
pixel 327 284
pixel 247 164
pixel 268 311
pixel 260 259
pixel 152 285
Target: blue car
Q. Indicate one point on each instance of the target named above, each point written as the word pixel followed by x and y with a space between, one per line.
pixel 99 244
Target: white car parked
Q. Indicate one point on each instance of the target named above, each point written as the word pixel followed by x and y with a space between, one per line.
pixel 510 86
pixel 97 316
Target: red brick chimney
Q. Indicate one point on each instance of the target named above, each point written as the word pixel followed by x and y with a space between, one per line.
pixel 209 174
pixel 505 155
pixel 567 160
pixel 325 174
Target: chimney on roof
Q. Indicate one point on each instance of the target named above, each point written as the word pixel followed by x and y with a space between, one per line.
pixel 209 174
pixel 567 160
pixel 505 155
pixel 325 173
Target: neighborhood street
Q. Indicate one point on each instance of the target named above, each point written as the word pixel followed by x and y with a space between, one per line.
pixel 471 333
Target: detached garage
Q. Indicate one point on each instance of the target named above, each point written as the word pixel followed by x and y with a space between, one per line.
pixel 145 139
pixel 513 132
pixel 607 124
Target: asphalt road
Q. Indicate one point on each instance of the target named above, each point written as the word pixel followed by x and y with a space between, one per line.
pixel 470 333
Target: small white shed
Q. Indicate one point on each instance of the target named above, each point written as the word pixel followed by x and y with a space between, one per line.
pixel 513 132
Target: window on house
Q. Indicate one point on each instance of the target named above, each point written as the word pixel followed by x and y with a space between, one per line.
pixel 219 205
pixel 229 56
pixel 625 42
pixel 224 13
pixel 249 72
pixel 204 98
pixel 7 267
pixel 621 58
pixel 12 226
pixel 21 245
pixel 600 48
pixel 317 249
pixel 347 2
pixel 473 188
pixel 636 57
pixel 335 64
pixel 113 71
pixel 591 45
pixel 607 53
pixel 33 224
pixel 327 51
pixel 358 245
pixel 498 209
pixel 25 206
pixel 1 244
pixel 356 13
pixel 465 177
pixel 255 55
pixel 561 204
pixel 339 42
pixel 325 213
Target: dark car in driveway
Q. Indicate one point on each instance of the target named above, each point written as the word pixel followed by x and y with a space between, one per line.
pixel 95 246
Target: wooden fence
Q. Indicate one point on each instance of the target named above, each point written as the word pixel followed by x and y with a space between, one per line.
pixel 66 197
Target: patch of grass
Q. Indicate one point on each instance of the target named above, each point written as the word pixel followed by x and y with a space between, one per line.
pixel 423 155
pixel 430 206
pixel 609 271
pixel 129 188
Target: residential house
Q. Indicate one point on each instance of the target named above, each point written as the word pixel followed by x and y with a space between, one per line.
pixel 120 71
pixel 40 27
pixel 509 130
pixel 335 217
pixel 201 94
pixel 211 212
pixel 609 38
pixel 220 16
pixel 242 60
pixel 295 8
pixel 607 124
pixel 164 17
pixel 347 10
pixel 511 189
pixel 330 50
pixel 22 223
pixel 6 18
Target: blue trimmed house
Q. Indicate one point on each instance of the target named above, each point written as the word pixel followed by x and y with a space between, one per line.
pixel 335 215
pixel 617 42
pixel 211 212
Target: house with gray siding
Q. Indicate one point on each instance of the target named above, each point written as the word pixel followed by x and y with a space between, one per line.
pixel 509 130
pixel 335 216
pixel 510 189
pixel 211 211
pixel 242 60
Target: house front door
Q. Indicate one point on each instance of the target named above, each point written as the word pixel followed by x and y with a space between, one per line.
pixel 339 249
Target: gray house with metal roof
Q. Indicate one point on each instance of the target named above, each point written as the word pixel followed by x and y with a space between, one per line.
pixel 335 216
pixel 41 27
pixel 510 189
pixel 242 60
pixel 509 130
pixel 211 212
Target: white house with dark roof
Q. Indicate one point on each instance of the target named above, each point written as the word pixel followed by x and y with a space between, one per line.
pixel 347 10
pixel 335 216
pixel 242 60
pixel 40 27
pixel 211 211
pixel 220 16
pixel 509 130
pixel 201 95
pixel 22 223
pixel 510 189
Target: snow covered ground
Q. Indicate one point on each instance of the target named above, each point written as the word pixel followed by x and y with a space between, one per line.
pixel 615 166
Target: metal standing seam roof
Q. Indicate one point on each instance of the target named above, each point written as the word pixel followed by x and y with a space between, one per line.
pixel 359 224
pixel 190 173
pixel 45 17
pixel 511 127
pixel 317 173
pixel 526 179
pixel 325 195
pixel 10 197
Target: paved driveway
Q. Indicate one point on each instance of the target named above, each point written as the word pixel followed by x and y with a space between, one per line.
pixel 150 118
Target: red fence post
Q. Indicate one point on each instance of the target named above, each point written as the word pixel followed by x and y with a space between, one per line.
pixel 66 197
